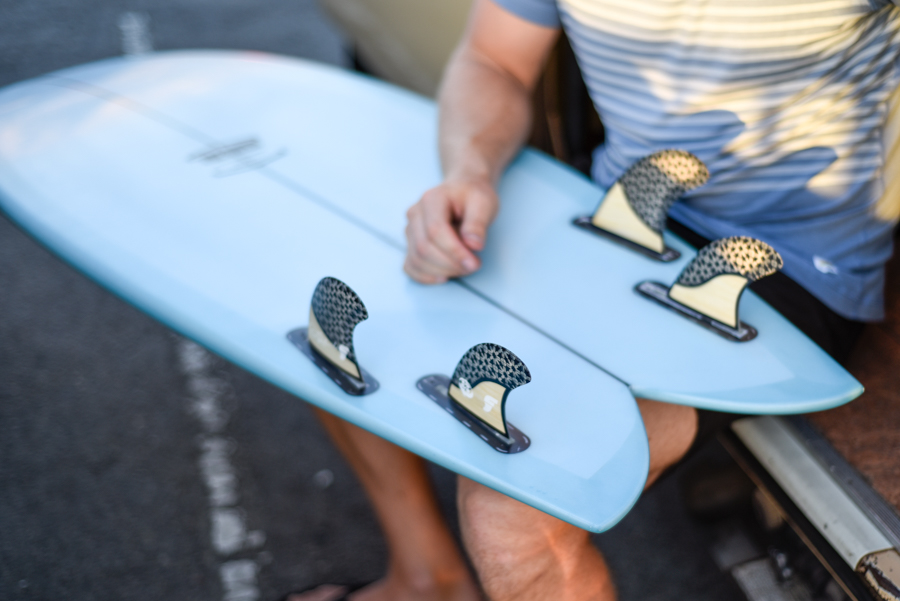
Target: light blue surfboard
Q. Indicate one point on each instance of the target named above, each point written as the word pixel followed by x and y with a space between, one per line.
pixel 213 190
pixel 229 253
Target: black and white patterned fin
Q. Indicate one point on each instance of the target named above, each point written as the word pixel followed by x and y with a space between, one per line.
pixel 633 213
pixel 659 293
pixel 739 255
pixel 334 311
pixel 338 309
pixel 709 289
pixel 655 182
pixel 476 394
pixel 437 386
pixel 488 361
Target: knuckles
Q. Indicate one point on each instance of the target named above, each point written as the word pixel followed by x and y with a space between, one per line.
pixel 421 247
pixel 426 230
pixel 434 229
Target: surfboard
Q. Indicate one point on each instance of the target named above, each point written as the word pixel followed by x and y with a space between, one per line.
pixel 214 190
pixel 191 227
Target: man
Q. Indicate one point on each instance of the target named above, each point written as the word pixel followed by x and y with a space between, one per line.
pixel 784 100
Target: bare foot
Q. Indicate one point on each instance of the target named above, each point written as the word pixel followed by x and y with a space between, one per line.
pixel 389 589
pixel 326 592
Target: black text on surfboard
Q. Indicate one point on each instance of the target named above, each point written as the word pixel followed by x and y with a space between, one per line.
pixel 634 210
pixel 709 289
pixel 334 312
pixel 232 158
pixel 476 394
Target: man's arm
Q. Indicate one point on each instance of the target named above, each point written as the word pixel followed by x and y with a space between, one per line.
pixel 485 115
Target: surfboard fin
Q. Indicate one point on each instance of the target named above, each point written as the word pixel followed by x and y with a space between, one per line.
pixel 709 289
pixel 334 312
pixel 633 212
pixel 476 394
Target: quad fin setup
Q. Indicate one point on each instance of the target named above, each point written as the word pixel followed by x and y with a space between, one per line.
pixel 634 210
pixel 709 289
pixel 334 312
pixel 476 394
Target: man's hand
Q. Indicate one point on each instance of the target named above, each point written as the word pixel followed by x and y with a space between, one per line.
pixel 485 113
pixel 446 228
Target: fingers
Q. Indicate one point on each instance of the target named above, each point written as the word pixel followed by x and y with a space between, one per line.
pixel 425 261
pixel 444 228
pixel 476 218
pixel 443 241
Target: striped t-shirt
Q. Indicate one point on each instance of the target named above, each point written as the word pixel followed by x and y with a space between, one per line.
pixel 785 102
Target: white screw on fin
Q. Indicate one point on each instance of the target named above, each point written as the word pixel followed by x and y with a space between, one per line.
pixel 489 403
pixel 466 388
pixel 344 351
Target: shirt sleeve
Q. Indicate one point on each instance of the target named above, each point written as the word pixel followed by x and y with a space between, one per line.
pixel 540 12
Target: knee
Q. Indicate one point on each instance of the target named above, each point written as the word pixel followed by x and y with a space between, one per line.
pixel 488 518
pixel 504 536
pixel 493 510
pixel 671 430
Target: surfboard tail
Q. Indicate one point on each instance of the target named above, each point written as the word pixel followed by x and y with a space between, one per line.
pixel 477 392
pixel 710 287
pixel 634 210
pixel 334 312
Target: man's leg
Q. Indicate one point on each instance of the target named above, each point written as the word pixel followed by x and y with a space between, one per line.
pixel 424 561
pixel 524 554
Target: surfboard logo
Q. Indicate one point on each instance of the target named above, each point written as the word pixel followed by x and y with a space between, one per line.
pixel 232 158
pixel 476 394
pixel 334 312
pixel 709 288
pixel 635 208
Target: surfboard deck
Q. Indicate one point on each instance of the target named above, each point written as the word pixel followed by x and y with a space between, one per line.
pixel 214 189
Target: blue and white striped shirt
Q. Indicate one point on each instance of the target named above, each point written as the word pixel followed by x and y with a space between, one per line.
pixel 784 100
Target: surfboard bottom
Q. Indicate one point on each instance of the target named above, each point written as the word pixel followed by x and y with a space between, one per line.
pixel 349 384
pixel 668 254
pixel 436 388
pixel 660 293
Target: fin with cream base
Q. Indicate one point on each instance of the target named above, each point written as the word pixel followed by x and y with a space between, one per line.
pixel 334 312
pixel 476 394
pixel 709 289
pixel 634 210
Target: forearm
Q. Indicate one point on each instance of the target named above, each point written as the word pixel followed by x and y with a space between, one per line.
pixel 485 117
pixel 485 104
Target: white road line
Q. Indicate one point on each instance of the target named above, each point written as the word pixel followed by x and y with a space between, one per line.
pixel 227 519
pixel 215 466
pixel 239 580
pixel 228 531
pixel 136 38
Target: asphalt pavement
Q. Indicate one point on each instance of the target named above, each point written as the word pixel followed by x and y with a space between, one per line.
pixel 134 464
